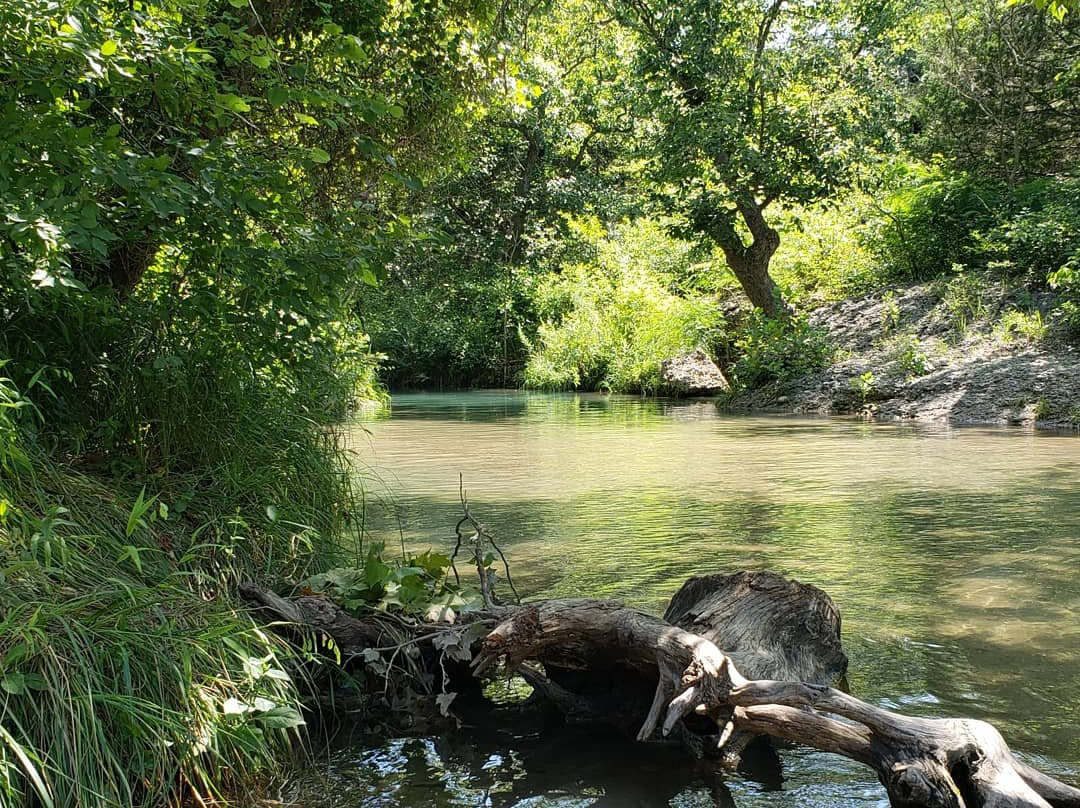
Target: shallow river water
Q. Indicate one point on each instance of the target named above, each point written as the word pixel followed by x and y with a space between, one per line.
pixel 952 553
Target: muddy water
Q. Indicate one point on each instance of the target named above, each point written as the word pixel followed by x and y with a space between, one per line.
pixel 952 553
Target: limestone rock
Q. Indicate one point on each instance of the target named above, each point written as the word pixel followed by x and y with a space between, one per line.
pixel 693 374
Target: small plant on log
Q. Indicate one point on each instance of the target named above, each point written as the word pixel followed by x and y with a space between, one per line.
pixel 419 585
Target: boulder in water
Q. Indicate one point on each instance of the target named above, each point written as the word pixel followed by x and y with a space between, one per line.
pixel 693 374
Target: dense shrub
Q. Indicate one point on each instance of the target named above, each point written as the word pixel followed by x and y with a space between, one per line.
pixel 824 252
pixel 778 350
pixel 609 324
pixel 929 227
pixel 1039 234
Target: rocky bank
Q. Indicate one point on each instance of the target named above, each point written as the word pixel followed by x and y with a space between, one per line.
pixel 936 352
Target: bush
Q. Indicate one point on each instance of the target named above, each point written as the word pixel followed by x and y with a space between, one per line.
pixel 931 226
pixel 909 357
pixel 608 325
pixel 823 251
pixel 778 350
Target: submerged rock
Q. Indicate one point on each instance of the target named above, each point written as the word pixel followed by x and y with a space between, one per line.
pixel 693 374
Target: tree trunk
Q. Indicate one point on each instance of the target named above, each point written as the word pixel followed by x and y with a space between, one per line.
pixel 749 262
pixel 921 762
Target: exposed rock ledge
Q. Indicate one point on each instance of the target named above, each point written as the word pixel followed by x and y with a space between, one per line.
pixel 904 357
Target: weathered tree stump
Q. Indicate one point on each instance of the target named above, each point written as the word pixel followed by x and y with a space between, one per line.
pixel 921 762
pixel 602 660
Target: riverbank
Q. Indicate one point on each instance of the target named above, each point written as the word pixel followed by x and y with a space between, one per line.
pixel 966 352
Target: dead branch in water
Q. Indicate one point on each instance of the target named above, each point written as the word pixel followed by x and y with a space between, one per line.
pixel 475 541
pixel 921 762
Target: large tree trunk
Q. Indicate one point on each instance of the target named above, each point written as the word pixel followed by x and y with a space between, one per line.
pixel 604 661
pixel 749 262
pixel 922 763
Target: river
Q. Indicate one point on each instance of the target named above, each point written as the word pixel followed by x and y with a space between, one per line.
pixel 951 552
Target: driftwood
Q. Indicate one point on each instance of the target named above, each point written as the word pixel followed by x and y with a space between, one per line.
pixel 922 763
pixel 781 654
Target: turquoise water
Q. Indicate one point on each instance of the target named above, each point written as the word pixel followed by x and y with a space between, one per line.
pixel 952 554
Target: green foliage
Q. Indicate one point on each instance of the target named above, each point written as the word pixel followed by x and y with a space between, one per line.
pixel 194 196
pixel 1027 326
pixel 1058 8
pixel 754 104
pixel 890 312
pixel 995 82
pixel 418 585
pixel 554 144
pixel 824 251
pixel 127 676
pixel 609 324
pixel 1042 237
pixel 909 356
pixel 934 222
pixel 964 298
pixel 778 350
pixel 864 385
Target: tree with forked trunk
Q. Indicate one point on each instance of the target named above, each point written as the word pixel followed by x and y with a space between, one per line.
pixel 749 104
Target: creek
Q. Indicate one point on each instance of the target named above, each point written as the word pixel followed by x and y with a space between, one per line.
pixel 952 553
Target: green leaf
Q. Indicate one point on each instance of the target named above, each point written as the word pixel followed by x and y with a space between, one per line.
pixel 278 96
pixel 281 718
pixel 232 102
pixel 238 3
pixel 260 60
pixel 233 706
pixel 138 510
pixel 131 553
pixel 14 683
pixel 108 47
pixel 318 155
pixel 352 49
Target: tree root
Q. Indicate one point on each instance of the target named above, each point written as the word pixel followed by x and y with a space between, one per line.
pixel 922 762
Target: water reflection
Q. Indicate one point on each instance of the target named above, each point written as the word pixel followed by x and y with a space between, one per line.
pixel 952 552
pixel 486 766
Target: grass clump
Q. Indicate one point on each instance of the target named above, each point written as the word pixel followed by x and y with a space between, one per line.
pixel 1015 325
pixel 909 356
pixel 129 676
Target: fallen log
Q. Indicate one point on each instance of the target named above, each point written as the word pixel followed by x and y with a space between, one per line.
pixel 921 762
pixel 603 661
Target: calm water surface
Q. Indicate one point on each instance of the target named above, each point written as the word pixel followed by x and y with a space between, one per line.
pixel 952 554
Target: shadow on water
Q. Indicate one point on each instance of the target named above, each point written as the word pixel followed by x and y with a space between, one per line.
pixel 563 767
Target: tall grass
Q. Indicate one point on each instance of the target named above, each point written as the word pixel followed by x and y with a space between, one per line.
pixel 128 674
pixel 609 324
